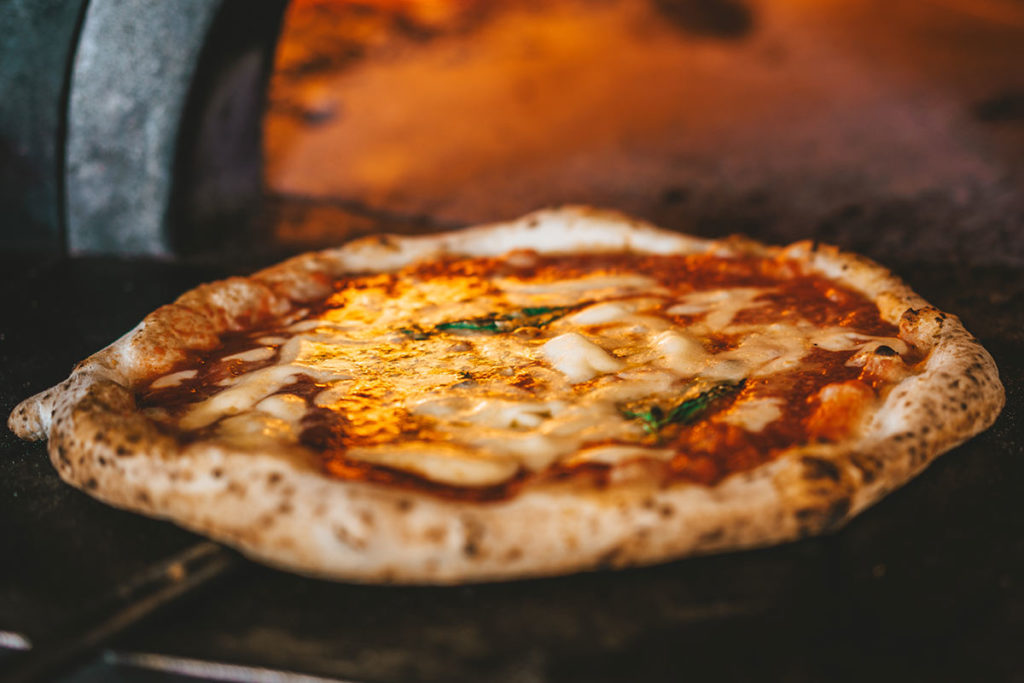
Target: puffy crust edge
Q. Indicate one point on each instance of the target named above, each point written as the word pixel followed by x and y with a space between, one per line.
pixel 278 508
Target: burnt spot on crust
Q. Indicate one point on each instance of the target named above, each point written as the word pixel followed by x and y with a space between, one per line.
pixel 62 456
pixel 820 519
pixel 142 496
pixel 816 468
pixel 403 504
pixel 123 451
pixel 91 484
pixel 709 537
pixel 836 513
pixel 345 537
pixel 868 465
pixel 474 531
pixel 611 558
pixel 274 478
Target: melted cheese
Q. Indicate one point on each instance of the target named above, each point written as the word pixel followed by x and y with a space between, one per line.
pixel 252 355
pixel 173 379
pixel 719 306
pixel 753 415
pixel 500 403
pixel 578 358
pixel 445 464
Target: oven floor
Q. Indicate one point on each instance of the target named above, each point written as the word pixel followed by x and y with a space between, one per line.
pixel 927 585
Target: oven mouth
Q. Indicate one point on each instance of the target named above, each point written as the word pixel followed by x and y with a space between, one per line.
pixel 250 131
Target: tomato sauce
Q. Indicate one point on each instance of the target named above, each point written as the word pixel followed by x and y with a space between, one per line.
pixel 706 451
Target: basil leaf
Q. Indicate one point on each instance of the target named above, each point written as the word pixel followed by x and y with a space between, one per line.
pixel 533 316
pixel 655 417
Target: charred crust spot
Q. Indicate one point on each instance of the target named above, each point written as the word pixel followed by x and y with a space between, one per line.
pixel 474 534
pixel 123 451
pixel 63 456
pixel 868 465
pixel 91 483
pixel 819 468
pixel 142 497
pixel 404 504
pixel 648 503
pixel 836 512
pixel 711 536
pixel 273 478
pixel 216 473
pixel 346 538
pixel 666 511
pixel 101 461
pixel 609 558
pixel 884 350
pixel 806 514
pixel 132 437
pixel 99 437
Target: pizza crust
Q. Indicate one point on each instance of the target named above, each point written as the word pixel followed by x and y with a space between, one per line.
pixel 280 509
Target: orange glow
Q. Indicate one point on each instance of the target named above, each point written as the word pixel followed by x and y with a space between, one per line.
pixel 406 115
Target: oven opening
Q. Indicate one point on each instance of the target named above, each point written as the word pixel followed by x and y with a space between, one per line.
pixel 423 114
pixel 782 120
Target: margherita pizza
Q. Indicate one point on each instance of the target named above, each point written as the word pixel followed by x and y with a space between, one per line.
pixel 568 391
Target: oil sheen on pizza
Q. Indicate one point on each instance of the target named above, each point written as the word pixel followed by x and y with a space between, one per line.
pixel 472 378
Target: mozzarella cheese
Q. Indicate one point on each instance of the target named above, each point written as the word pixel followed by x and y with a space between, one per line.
pixel 495 403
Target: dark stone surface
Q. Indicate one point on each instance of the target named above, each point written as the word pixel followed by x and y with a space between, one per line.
pixel 36 42
pixel 928 585
pixel 61 550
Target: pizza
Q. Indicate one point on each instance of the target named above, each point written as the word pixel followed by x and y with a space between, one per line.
pixel 568 391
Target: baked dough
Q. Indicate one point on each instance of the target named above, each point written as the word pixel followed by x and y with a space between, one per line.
pixel 277 505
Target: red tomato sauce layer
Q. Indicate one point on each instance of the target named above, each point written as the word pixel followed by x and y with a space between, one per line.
pixel 707 450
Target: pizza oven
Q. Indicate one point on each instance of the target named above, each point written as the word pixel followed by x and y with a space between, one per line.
pixel 150 129
pixel 149 146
